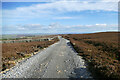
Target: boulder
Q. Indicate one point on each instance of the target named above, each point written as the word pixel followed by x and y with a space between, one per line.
pixel 36 50
pixel 20 54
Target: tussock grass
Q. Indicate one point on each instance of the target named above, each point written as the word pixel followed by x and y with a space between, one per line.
pixel 14 52
pixel 101 52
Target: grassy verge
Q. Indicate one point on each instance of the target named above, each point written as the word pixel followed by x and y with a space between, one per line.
pixel 15 52
pixel 101 52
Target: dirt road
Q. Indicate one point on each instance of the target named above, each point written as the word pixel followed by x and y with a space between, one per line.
pixel 57 61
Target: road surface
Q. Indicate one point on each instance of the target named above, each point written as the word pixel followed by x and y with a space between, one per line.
pixel 57 61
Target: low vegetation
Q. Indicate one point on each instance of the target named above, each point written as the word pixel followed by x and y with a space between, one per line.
pixel 101 52
pixel 15 52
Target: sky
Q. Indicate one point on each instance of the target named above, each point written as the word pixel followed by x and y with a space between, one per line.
pixel 59 17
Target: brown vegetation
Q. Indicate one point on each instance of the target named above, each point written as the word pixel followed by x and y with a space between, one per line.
pixel 101 52
pixel 12 52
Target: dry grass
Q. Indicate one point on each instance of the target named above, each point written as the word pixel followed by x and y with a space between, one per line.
pixel 16 51
pixel 101 52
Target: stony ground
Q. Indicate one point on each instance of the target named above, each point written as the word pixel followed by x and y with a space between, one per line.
pixel 57 61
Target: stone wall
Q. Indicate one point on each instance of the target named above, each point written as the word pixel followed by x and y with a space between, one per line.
pixel 27 40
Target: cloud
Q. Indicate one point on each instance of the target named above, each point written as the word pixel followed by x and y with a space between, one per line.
pixel 48 9
pixel 59 28
pixel 26 27
pixel 55 10
pixel 109 0
pixel 57 0
pixel 97 27
pixel 55 25
pixel 101 24
pixel 65 17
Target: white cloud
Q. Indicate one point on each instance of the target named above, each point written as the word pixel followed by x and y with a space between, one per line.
pixel 52 11
pixel 21 28
pixel 59 28
pixel 26 27
pixel 55 25
pixel 44 10
pixel 101 24
pixel 65 17
pixel 57 0
pixel 110 0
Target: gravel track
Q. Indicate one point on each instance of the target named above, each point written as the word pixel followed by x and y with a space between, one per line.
pixel 57 61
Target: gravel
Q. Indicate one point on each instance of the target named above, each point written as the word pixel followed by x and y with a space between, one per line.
pixel 57 61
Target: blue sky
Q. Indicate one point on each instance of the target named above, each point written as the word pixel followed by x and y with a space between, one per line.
pixel 59 17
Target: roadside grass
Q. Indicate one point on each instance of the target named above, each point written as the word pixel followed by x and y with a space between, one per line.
pixel 101 52
pixel 15 52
